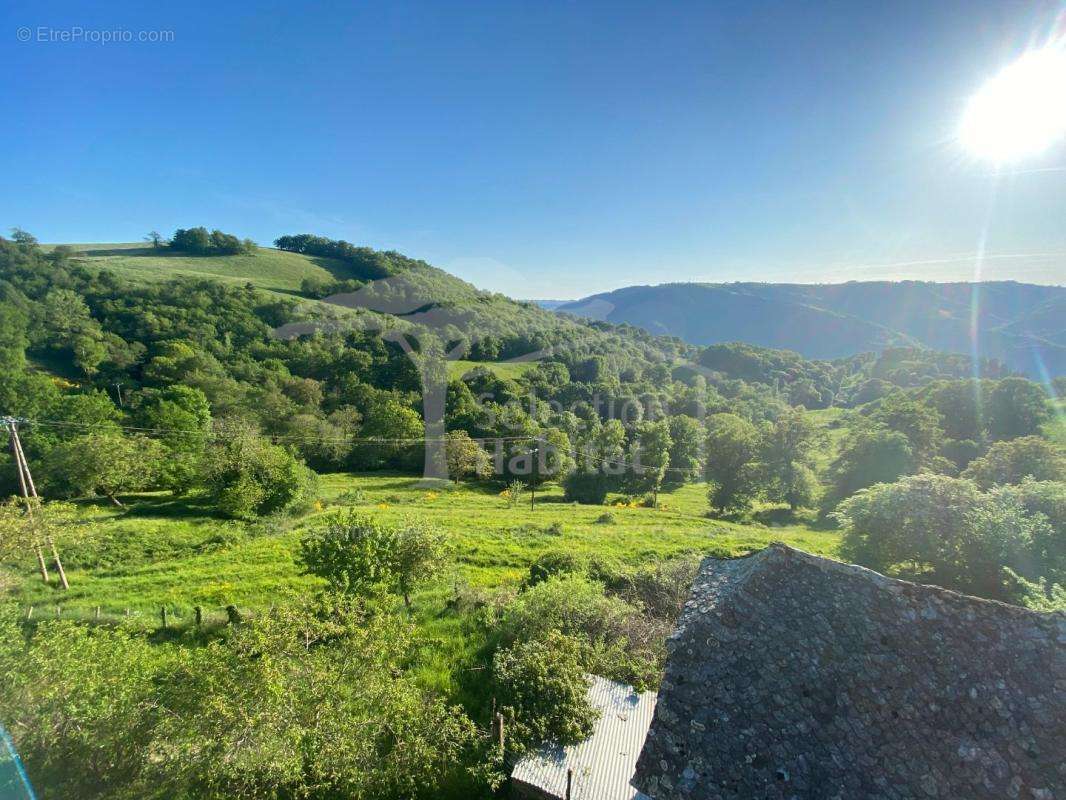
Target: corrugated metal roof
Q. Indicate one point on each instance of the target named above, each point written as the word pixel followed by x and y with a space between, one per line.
pixel 604 763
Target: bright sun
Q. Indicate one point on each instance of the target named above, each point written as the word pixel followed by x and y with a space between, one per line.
pixel 1021 111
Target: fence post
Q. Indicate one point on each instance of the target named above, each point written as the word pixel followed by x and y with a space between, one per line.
pixel 163 616
pixel 500 732
pixel 199 616
pixel 98 612
pixel 29 613
pixel 59 611
pixel 569 782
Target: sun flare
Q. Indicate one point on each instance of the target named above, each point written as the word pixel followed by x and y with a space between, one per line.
pixel 1021 111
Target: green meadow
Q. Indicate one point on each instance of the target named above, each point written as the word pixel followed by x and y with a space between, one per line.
pixel 166 552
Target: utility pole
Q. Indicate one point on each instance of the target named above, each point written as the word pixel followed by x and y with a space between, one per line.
pixel 532 475
pixel 29 495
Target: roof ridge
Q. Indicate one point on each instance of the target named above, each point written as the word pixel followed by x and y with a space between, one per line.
pixel 777 552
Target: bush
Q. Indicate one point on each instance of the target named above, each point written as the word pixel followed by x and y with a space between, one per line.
pixel 606 518
pixel 1014 460
pixel 292 704
pixel 618 641
pixel 941 530
pixel 358 555
pixel 588 488
pixel 556 562
pixel 543 691
pixel 247 477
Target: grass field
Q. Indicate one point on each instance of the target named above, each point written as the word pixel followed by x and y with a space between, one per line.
pixel 268 268
pixel 503 369
pixel 168 552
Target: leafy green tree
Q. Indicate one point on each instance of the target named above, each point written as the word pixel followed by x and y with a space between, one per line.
pixel 106 463
pixel 1017 407
pixel 1045 499
pixel 732 466
pixel 787 456
pixel 869 454
pixel 543 691
pixel 687 440
pixel 961 406
pixel 247 477
pixel 941 530
pixel 919 422
pixel 1014 460
pixel 294 703
pixel 420 554
pixel 398 431
pixel 651 456
pixel 181 418
pixel 466 457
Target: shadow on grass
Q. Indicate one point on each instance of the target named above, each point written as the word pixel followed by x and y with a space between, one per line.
pixel 188 507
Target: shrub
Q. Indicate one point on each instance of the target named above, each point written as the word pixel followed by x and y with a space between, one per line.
pixel 606 518
pixel 588 488
pixel 1013 460
pixel 555 562
pixel 618 641
pixel 543 691
pixel 940 530
pixel 358 555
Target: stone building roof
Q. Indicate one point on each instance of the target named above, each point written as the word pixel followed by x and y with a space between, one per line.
pixel 792 676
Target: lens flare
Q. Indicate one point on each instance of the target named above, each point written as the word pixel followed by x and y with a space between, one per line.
pixel 1021 111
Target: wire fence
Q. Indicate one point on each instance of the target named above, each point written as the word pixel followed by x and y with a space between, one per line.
pixel 163 617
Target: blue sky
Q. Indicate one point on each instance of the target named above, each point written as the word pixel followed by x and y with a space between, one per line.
pixel 543 149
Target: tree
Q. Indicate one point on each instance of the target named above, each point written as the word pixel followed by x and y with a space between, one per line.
pixel 354 553
pixel 543 691
pixel 247 477
pixel 155 238
pixel 196 241
pixel 587 486
pixel 358 555
pixel 1014 460
pixel 419 555
pixel 182 418
pixel 466 457
pixel 787 454
pixel 1017 407
pixel 941 530
pixel 687 440
pixel 961 407
pixel 106 463
pixel 732 450
pixel 919 422
pixel 651 456
pixel 869 454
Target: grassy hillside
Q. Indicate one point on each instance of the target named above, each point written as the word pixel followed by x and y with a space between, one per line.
pixel 174 553
pixel 268 268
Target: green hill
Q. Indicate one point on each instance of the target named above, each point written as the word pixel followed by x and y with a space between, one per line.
pixel 268 268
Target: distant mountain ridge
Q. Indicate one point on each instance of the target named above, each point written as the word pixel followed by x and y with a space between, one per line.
pixel 1022 325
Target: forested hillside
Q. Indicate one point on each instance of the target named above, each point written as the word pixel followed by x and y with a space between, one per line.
pixel 1022 325
pixel 238 581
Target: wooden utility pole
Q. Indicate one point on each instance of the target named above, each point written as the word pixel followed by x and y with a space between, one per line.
pixel 532 474
pixel 29 495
